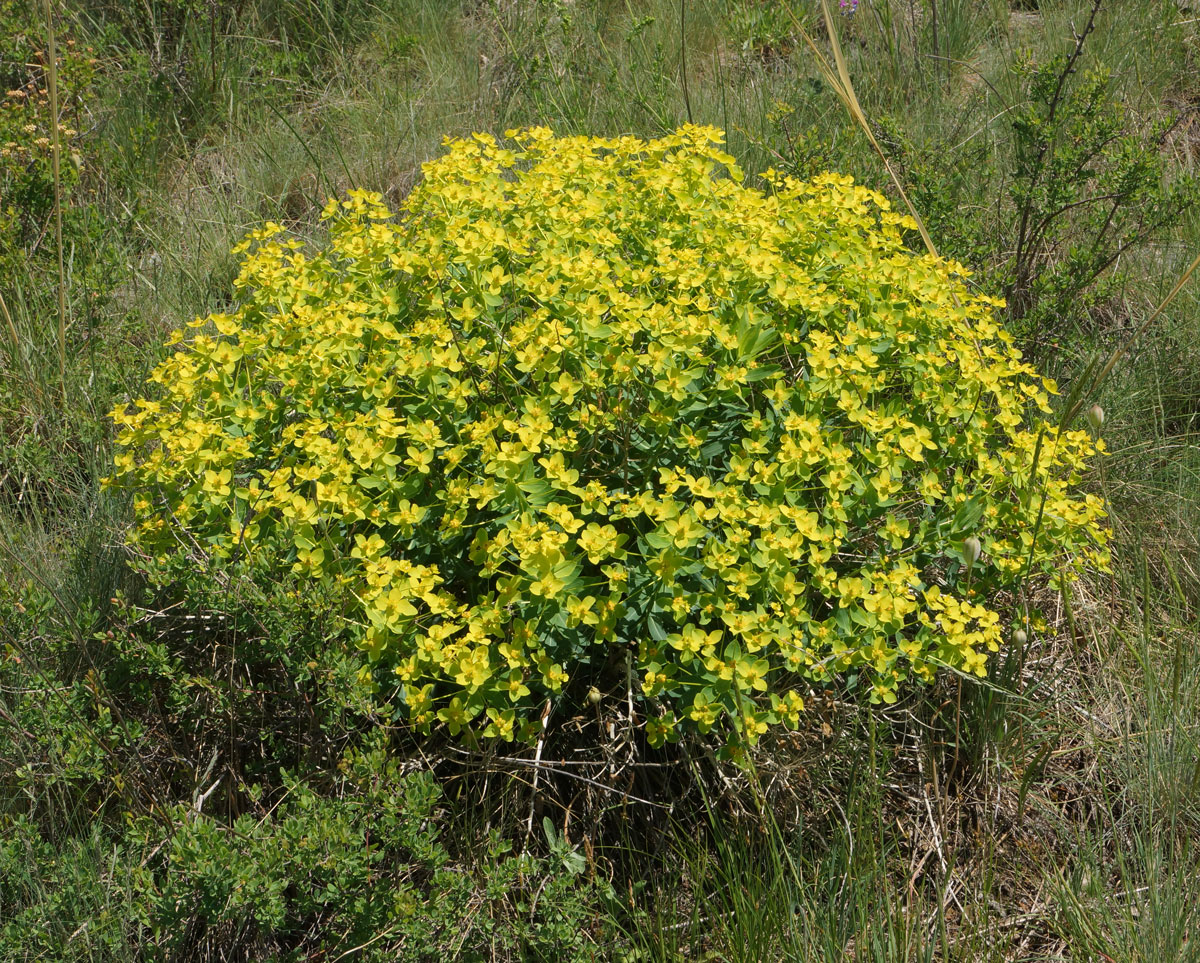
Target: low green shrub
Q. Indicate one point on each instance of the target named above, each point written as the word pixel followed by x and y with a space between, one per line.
pixel 46 445
pixel 27 194
pixel 592 408
pixel 1068 190
pixel 357 866
pixel 362 868
pixel 26 132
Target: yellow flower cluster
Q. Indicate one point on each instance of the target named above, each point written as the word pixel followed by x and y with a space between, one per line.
pixel 589 407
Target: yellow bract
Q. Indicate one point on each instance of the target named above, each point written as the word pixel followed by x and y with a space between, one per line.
pixel 588 391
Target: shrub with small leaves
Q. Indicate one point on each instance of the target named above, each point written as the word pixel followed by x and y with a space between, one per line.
pixel 365 872
pixel 26 130
pixel 594 409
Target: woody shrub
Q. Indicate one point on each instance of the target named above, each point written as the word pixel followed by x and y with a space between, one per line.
pixel 26 135
pixel 591 411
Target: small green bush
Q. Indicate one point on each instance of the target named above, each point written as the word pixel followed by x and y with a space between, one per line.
pixel 361 868
pixel 1046 212
pixel 26 132
pixel 364 869
pixel 591 408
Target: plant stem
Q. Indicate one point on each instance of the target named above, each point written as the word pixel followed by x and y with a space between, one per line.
pixel 12 328
pixel 55 152
pixel 687 100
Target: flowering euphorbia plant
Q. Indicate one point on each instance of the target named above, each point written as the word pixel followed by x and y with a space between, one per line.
pixel 589 409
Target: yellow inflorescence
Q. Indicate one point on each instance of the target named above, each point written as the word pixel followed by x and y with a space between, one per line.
pixel 588 394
